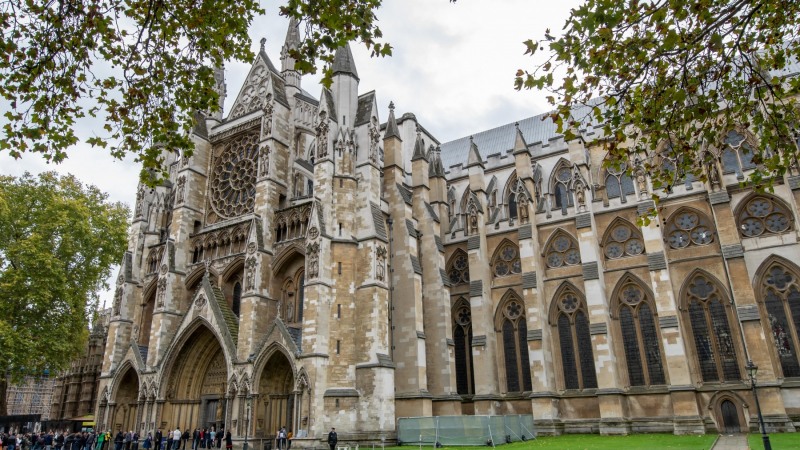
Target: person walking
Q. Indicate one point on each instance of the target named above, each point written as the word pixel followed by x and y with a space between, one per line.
pixel 101 439
pixel 185 438
pixel 176 438
pixel 333 438
pixel 119 440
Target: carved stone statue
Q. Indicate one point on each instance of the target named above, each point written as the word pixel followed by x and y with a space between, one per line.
pixel 473 221
pixel 312 253
pixel 641 183
pixel 374 139
pixel 522 209
pixel 322 135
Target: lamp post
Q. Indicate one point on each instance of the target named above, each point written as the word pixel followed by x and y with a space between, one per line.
pixel 249 402
pixel 752 369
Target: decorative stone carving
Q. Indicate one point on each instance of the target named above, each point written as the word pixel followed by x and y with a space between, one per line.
pixel 163 270
pixel 312 256
pixel 179 190
pixel 263 161
pixel 200 300
pixel 522 209
pixel 380 263
pixel 580 195
pixel 313 232
pixel 322 135
pixel 118 295
pixel 250 274
pixel 139 202
pixel 266 120
pixel 473 220
pixel 713 176
pixel 161 291
pixel 374 139
pixel 251 248
pixel 641 182
pixel 135 333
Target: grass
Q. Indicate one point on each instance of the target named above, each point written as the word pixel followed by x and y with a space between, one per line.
pixel 778 441
pixel 597 442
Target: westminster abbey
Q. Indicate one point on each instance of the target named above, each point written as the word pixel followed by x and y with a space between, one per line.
pixel 319 263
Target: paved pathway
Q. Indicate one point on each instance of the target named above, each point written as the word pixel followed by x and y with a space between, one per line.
pixel 731 442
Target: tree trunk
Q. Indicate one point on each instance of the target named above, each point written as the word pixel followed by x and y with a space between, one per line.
pixel 4 395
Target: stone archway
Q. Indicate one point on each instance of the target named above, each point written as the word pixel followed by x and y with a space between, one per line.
pixel 274 406
pixel 195 393
pixel 126 401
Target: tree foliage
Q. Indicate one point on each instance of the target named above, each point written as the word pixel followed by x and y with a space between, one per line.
pixel 668 79
pixel 58 241
pixel 141 67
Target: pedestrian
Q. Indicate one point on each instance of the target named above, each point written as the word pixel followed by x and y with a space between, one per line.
pixel 333 438
pixel 135 440
pixel 220 434
pixel 158 437
pixel 228 440
pixel 59 441
pixel 289 437
pixel 148 441
pixel 185 438
pixel 176 438
pixel 100 440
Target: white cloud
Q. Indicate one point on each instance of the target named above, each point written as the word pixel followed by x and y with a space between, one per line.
pixel 453 67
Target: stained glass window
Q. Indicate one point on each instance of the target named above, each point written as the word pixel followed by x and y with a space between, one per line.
pixel 713 338
pixel 458 268
pixel 506 260
pixel 687 227
pixel 563 195
pixel 762 215
pixel 575 341
pixel 737 154
pixel 639 336
pixel 462 337
pixel 562 251
pixel 515 348
pixel 233 177
pixel 782 308
pixel 618 183
pixel 623 240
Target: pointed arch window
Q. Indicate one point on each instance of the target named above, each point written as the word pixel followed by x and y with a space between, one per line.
pixel 562 251
pixel 668 159
pixel 458 268
pixel 561 188
pixel 714 339
pixel 642 347
pixel 622 240
pixel 506 260
pixel 618 183
pixel 687 227
pixel 737 153
pixel 462 337
pixel 781 306
pixel 763 215
pixel 515 349
pixel 236 304
pixel 575 342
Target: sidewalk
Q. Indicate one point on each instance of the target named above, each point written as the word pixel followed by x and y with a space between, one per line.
pixel 731 442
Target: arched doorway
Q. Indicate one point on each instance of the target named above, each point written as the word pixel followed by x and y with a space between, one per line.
pixel 126 401
pixel 195 395
pixel 730 417
pixel 274 406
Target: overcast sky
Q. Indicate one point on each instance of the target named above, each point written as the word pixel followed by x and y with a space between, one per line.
pixel 453 67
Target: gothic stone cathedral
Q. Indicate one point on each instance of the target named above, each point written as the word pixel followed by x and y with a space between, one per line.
pixel 311 265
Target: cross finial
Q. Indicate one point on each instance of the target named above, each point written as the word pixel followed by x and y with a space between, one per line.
pixel 263 42
pixel 391 106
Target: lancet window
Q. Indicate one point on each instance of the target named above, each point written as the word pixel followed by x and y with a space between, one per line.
pixel 688 227
pixel 714 340
pixel 763 215
pixel 506 260
pixel 562 251
pixel 618 183
pixel 780 295
pixel 637 322
pixel 575 341
pixel 514 331
pixel 462 337
pixel 622 240
pixel 737 153
pixel 561 188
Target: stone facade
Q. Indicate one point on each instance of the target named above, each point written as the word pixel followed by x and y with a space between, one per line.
pixel 311 265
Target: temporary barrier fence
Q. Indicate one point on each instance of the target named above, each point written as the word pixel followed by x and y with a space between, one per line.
pixel 464 430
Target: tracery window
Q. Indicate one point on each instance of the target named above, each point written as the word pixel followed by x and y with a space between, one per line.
pixel 618 183
pixel 575 342
pixel 668 160
pixel 640 340
pixel 737 154
pixel 622 240
pixel 561 188
pixel 462 337
pixel 763 215
pixel 458 269
pixel 713 338
pixel 562 251
pixel 233 177
pixel 506 260
pixel 781 305
pixel 687 227
pixel 515 348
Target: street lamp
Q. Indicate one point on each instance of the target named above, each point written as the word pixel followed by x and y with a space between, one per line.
pixel 752 369
pixel 247 423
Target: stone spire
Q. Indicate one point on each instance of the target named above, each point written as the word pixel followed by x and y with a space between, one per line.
pixel 343 62
pixel 436 169
pixel 391 124
pixel 474 155
pixel 419 148
pixel 292 42
pixel 519 142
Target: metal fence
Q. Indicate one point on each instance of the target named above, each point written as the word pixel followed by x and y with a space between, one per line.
pixel 464 430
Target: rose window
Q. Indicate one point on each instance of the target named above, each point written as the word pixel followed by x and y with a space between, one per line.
pixel 507 261
pixel 233 177
pixel 569 303
pixel 623 241
pixel 762 215
pixel 688 227
pixel 513 309
pixel 463 316
pixel 632 295
pixel 562 252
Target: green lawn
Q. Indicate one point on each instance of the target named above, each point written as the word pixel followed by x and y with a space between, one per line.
pixel 779 441
pixel 597 442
